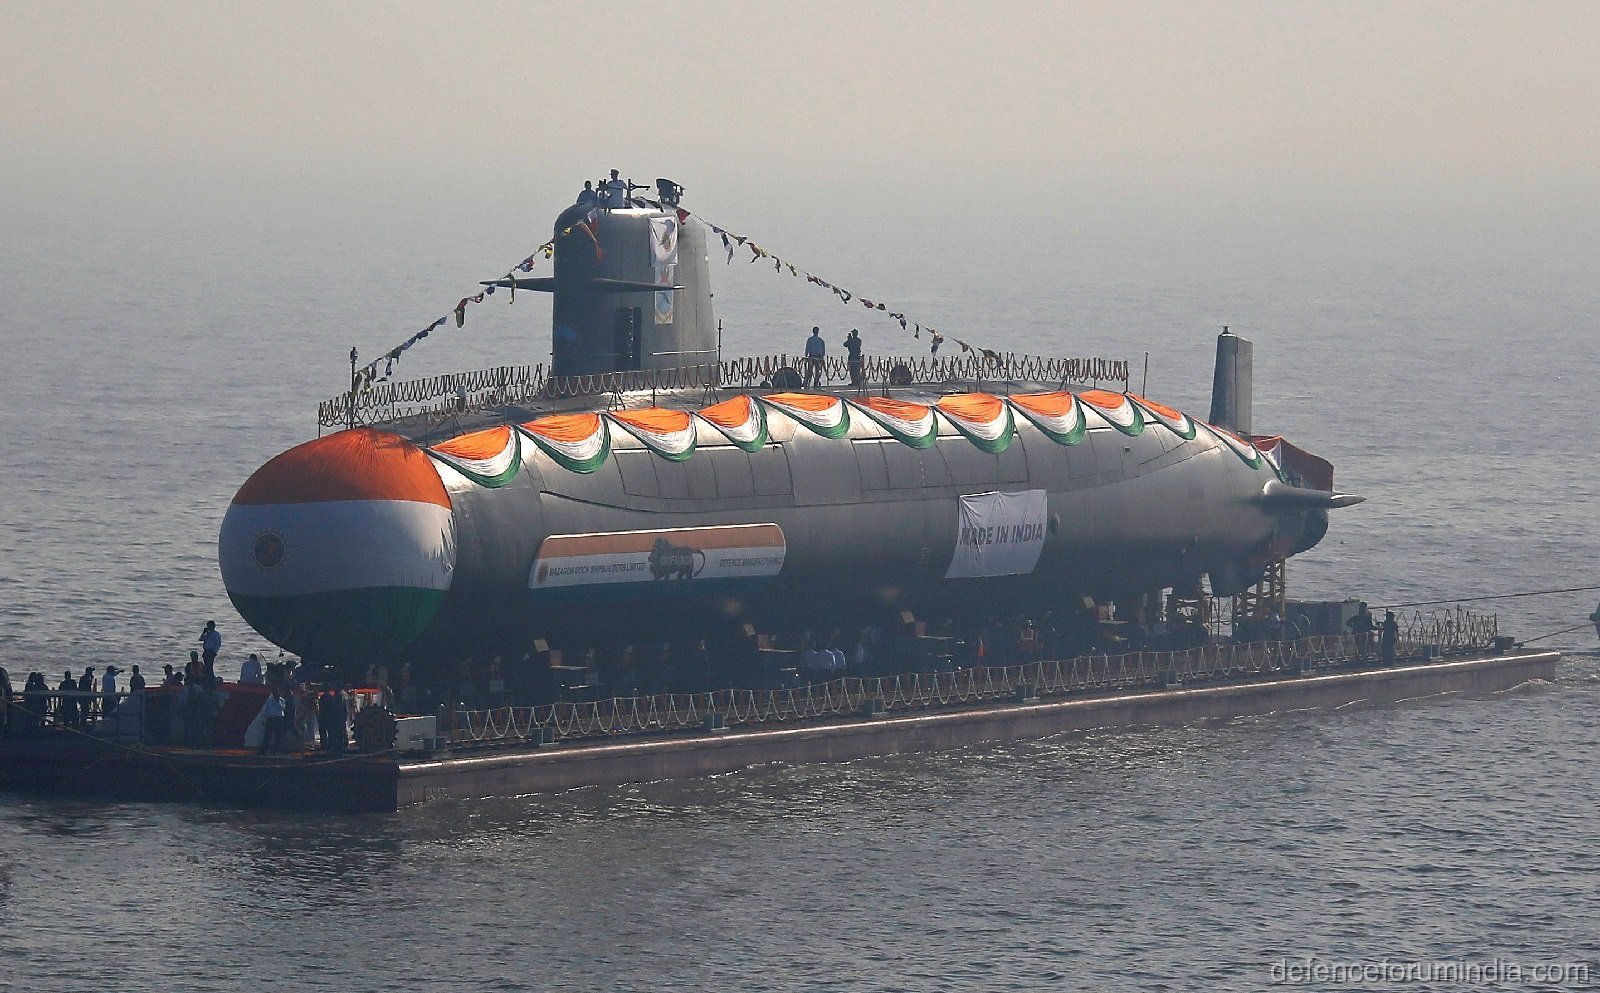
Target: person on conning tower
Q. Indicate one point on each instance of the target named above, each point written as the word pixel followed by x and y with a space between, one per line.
pixel 616 192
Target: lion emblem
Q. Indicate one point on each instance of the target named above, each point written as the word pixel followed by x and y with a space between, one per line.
pixel 669 561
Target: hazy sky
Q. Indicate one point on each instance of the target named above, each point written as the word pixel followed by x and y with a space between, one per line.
pixel 1456 102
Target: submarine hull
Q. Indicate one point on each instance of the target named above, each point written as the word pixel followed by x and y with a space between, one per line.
pixel 806 527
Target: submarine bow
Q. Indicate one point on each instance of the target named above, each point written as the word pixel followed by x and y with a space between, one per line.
pixel 342 546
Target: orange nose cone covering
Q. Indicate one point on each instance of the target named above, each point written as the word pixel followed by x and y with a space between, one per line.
pixel 340 548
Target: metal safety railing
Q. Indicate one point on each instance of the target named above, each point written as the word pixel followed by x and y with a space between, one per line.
pixel 667 712
pixel 463 392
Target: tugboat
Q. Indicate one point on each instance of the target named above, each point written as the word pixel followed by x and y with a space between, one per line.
pixel 645 483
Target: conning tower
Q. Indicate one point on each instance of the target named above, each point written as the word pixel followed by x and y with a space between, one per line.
pixel 631 290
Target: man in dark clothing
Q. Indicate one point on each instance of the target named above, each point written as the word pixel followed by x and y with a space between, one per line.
pixel 66 704
pixel 86 707
pixel 210 645
pixel 36 700
pixel 852 344
pixel 1389 640
pixel 1362 627
pixel 331 717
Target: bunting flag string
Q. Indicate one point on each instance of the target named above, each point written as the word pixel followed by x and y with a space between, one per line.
pixel 368 375
pixel 732 243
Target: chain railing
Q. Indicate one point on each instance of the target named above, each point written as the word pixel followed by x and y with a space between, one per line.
pixel 1451 629
pixel 982 684
pixel 464 392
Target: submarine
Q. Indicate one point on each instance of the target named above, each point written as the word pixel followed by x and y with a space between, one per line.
pixel 640 487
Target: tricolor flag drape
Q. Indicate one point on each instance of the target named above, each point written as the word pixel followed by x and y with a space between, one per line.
pixel 489 458
pixel 985 420
pixel 825 415
pixel 910 424
pixel 1116 409
pixel 582 442
pixel 668 433
pixel 576 442
pixel 741 420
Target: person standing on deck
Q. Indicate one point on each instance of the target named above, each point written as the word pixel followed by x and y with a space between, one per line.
pixel 616 192
pixel 274 714
pixel 816 352
pixel 35 700
pixel 66 703
pixel 210 645
pixel 587 197
pixel 86 708
pixel 136 681
pixel 108 691
pixel 1028 642
pixel 1362 627
pixel 1389 640
pixel 852 345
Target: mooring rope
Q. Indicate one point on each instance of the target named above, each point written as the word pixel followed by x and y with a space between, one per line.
pixel 1552 634
pixel 1490 596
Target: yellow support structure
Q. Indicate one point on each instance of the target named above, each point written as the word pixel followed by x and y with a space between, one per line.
pixel 1262 601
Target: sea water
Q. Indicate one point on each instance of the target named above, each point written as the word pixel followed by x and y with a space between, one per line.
pixel 155 351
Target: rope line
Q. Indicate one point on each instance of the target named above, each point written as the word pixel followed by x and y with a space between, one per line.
pixel 1552 634
pixel 1491 596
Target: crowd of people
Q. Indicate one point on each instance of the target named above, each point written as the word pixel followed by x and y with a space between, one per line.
pixel 300 711
pixel 308 707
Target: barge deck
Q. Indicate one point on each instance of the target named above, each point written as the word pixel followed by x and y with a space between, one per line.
pixel 85 766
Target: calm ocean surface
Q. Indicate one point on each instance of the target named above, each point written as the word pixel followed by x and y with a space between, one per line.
pixel 156 351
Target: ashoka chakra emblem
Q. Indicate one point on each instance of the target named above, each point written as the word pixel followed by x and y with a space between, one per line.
pixel 269 549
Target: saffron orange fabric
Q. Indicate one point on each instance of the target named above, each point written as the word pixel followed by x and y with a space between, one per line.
pixel 731 413
pixel 566 428
pixel 361 464
pixel 1056 404
pixel 654 420
pixel 979 407
pixel 891 407
pixel 816 403
pixel 1104 399
pixel 1168 412
pixel 478 445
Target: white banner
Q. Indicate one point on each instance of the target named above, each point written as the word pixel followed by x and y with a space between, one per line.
pixel 663 307
pixel 999 534
pixel 664 240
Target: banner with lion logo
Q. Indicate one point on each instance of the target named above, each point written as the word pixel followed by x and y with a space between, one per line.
pixel 673 559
